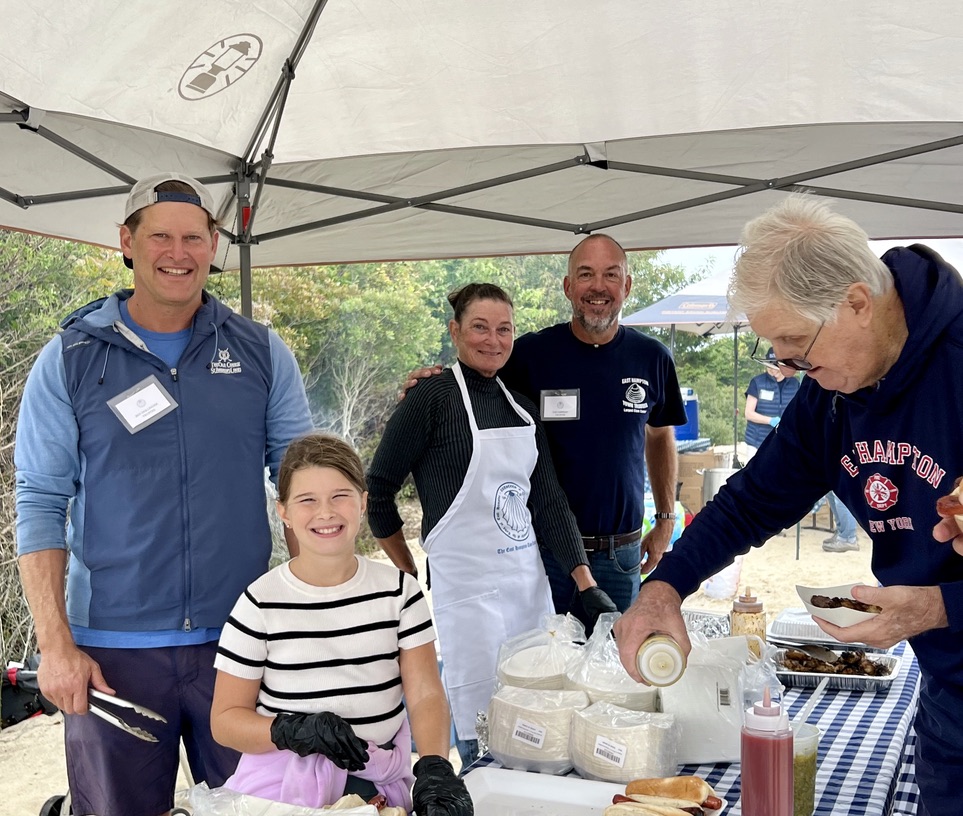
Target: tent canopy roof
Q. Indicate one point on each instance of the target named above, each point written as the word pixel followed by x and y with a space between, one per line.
pixel 397 129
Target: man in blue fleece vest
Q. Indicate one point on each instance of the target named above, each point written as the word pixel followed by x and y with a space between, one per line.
pixel 142 442
pixel 877 421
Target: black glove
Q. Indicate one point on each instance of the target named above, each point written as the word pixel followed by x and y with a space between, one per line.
pixel 595 602
pixel 437 791
pixel 322 733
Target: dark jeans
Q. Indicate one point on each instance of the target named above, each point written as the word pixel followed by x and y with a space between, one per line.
pixel 467 750
pixel 112 773
pixel 616 571
pixel 939 748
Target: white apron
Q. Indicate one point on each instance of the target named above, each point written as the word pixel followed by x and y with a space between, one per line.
pixel 487 578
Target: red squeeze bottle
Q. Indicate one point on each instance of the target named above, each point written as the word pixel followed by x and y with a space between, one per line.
pixel 766 760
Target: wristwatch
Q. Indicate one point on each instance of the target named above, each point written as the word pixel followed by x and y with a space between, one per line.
pixel 668 516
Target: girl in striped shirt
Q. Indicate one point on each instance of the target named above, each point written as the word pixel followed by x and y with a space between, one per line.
pixel 327 666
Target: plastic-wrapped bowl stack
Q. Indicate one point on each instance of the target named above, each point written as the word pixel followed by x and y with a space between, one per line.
pixel 598 672
pixel 530 729
pixel 607 682
pixel 613 744
pixel 538 667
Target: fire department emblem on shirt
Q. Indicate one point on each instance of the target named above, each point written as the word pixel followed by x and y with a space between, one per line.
pixel 511 513
pixel 880 492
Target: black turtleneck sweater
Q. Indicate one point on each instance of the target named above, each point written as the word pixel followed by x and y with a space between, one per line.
pixel 429 436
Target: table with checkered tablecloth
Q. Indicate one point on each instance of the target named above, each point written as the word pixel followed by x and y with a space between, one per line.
pixel 862 765
pixel 865 759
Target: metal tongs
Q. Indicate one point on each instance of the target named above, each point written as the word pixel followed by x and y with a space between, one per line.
pixel 119 722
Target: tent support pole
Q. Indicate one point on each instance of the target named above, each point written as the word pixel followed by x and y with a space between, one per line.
pixel 735 397
pixel 243 239
pixel 247 299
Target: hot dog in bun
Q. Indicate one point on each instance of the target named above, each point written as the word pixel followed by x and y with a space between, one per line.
pixel 668 796
pixel 642 805
pixel 950 506
pixel 692 788
pixel 379 805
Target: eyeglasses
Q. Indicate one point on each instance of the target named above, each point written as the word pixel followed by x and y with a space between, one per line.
pixel 795 363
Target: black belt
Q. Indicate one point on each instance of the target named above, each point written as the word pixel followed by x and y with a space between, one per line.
pixel 594 543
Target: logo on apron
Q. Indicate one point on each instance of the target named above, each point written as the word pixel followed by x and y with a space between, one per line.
pixel 511 512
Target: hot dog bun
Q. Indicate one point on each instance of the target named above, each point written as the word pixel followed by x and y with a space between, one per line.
pixel 347 802
pixel 639 809
pixel 687 805
pixel 351 801
pixel 691 788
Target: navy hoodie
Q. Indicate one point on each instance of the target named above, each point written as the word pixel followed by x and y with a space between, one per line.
pixel 888 452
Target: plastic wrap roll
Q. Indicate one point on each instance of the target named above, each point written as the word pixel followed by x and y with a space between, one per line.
pixel 613 744
pixel 530 729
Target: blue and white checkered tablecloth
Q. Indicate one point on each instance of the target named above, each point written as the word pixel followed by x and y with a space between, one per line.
pixel 907 794
pixel 865 760
pixel 861 762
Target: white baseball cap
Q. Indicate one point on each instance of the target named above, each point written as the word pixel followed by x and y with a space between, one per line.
pixel 144 193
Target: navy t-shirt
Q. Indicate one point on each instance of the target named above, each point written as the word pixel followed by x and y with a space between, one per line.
pixel 622 386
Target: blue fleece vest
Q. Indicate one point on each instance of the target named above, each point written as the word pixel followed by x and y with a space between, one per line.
pixel 169 524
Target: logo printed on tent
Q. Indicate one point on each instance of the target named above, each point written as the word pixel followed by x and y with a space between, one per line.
pixel 219 66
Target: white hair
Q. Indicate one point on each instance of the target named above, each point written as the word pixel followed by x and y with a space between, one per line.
pixel 805 255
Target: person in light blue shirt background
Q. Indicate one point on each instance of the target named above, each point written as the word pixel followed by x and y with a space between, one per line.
pixel 767 396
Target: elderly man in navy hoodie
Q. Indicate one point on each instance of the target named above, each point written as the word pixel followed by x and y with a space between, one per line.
pixel 877 421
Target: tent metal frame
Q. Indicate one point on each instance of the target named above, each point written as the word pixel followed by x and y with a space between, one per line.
pixel 253 170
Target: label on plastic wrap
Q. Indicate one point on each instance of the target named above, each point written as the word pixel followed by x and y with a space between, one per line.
pixel 528 732
pixel 609 751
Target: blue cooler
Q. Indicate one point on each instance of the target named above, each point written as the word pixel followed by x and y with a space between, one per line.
pixel 691 428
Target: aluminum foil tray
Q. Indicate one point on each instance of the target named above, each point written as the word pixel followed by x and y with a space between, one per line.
pixel 849 682
pixel 710 624
pixel 797 626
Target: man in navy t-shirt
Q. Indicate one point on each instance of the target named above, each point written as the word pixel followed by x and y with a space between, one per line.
pixel 608 396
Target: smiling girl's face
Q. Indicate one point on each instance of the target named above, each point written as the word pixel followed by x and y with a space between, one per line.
pixel 324 511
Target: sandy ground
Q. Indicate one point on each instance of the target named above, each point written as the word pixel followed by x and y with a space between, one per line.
pixel 32 767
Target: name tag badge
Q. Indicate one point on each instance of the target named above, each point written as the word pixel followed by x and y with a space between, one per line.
pixel 560 404
pixel 142 404
pixel 765 394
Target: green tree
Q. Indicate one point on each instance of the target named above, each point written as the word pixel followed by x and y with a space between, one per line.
pixel 707 366
pixel 41 282
pixel 380 330
pixel 297 302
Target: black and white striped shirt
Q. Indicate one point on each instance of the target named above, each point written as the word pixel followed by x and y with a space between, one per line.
pixel 328 648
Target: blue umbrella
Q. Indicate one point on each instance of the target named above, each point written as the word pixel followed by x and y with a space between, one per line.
pixel 701 308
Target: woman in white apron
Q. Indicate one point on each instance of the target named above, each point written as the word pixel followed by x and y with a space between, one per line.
pixel 488 489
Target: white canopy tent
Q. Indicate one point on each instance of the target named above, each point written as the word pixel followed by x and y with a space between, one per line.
pixel 340 130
